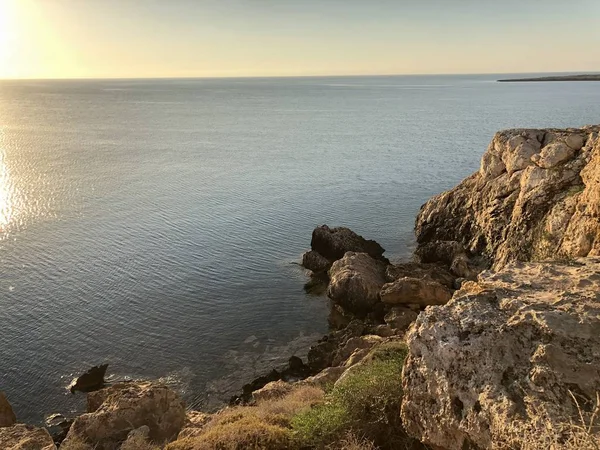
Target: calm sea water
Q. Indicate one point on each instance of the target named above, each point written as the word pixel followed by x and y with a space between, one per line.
pixel 154 225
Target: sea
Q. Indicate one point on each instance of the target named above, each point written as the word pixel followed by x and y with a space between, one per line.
pixel 157 225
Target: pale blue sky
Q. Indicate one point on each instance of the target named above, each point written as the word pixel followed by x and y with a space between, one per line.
pixel 163 38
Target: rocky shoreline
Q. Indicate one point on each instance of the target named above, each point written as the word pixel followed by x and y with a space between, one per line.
pixel 499 312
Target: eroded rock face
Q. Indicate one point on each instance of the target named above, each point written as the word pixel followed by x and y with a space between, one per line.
pixel 536 195
pixel 25 437
pixel 505 352
pixel 7 416
pixel 356 280
pixel 128 407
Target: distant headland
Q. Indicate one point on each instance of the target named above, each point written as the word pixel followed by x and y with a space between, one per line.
pixel 586 77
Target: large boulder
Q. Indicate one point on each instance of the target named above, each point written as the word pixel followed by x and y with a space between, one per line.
pixel 25 437
pixel 126 407
pixel 536 195
pixel 7 416
pixel 508 354
pixel 334 243
pixel 420 291
pixel 356 280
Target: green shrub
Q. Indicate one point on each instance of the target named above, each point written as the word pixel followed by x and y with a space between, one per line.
pixel 366 401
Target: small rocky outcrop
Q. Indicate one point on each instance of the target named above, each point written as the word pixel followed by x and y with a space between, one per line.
pixel 511 351
pixel 536 196
pixel 25 437
pixel 330 244
pixel 356 280
pixel 126 407
pixel 90 381
pixel 7 415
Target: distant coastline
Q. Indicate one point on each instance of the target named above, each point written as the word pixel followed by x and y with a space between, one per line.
pixel 587 77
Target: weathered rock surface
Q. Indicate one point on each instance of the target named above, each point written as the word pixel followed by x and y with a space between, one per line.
pixel 92 380
pixel 25 437
pixel 400 318
pixel 421 291
pixel 356 280
pixel 536 195
pixel 505 353
pixel 274 389
pixel 320 355
pixel 7 416
pixel 312 260
pixel 127 407
pixel 334 243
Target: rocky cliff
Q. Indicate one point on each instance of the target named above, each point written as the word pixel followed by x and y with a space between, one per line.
pixel 536 196
pixel 513 359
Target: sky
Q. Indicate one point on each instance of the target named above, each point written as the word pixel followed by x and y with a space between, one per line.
pixel 239 38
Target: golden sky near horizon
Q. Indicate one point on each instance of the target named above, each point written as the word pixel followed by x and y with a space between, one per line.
pixel 159 38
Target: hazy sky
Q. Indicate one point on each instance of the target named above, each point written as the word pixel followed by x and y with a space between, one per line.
pixel 169 38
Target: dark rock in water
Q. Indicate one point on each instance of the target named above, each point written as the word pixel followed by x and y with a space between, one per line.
pixel 333 243
pixel 92 380
pixel 314 261
pixel 7 416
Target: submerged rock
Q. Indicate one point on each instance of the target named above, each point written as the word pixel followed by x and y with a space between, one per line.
pixel 7 415
pixel 25 437
pixel 92 380
pixel 506 352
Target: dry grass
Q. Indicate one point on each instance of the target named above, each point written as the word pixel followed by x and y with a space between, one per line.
pixel 138 443
pixel 263 426
pixel 353 442
pixel 583 433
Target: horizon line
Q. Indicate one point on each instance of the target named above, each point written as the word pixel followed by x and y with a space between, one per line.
pixel 200 77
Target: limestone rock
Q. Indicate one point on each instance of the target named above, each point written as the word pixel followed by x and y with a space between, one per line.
pixel 553 154
pixel 92 380
pixel 25 437
pixel 419 291
pixel 7 416
pixel 334 243
pixel 500 214
pixel 127 407
pixel 356 280
pixel 352 345
pixel 272 390
pixel 320 355
pixel 505 352
pixel 326 377
pixel 400 318
pixel 312 260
